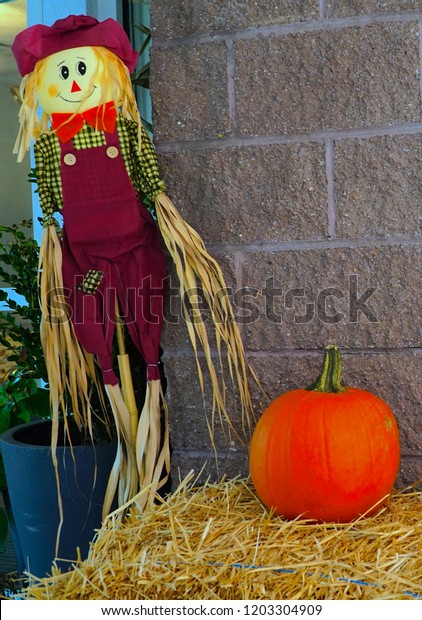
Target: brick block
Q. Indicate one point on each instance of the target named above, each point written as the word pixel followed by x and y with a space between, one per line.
pixel 282 373
pixel 192 17
pixel 245 194
pixel 189 92
pixel 378 186
pixel 352 77
pixel 188 411
pixel 191 413
pixel 354 297
pixel 350 8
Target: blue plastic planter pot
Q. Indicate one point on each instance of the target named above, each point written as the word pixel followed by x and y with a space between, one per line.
pixel 31 481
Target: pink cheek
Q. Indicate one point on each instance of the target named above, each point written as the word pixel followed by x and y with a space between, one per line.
pixel 53 91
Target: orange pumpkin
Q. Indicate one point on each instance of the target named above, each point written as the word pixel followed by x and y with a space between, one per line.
pixel 327 453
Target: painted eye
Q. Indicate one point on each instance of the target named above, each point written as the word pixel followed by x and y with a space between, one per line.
pixel 64 72
pixel 81 68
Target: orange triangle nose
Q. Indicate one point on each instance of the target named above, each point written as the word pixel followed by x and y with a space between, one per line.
pixel 75 87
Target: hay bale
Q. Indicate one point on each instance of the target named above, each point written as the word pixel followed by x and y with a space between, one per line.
pixel 218 542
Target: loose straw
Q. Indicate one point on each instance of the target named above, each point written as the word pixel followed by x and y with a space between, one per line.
pixel 218 542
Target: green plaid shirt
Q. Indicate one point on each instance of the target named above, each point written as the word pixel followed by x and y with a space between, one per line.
pixel 142 167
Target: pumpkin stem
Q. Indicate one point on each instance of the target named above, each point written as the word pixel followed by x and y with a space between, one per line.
pixel 330 377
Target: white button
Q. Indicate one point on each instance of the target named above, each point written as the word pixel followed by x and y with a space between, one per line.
pixel 69 159
pixel 112 152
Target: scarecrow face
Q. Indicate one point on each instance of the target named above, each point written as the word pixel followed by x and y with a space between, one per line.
pixel 71 81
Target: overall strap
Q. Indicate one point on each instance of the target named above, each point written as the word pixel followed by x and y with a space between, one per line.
pixel 112 139
pixel 67 147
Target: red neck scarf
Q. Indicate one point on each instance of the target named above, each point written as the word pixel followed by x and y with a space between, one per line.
pixel 67 124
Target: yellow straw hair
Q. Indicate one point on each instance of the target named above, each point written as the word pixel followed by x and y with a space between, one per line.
pixel 116 86
pixel 69 367
pixel 30 126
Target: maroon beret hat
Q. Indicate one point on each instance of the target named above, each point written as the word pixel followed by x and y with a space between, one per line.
pixel 40 41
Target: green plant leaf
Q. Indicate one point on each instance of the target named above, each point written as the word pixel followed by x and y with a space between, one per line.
pixel 19 258
pixel 144 29
pixel 12 304
pixel 21 413
pixel 5 409
pixel 38 404
pixel 141 79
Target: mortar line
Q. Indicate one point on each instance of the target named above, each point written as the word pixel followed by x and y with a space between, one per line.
pixel 231 73
pixel 292 28
pixel 269 140
pixel 322 10
pixel 344 351
pixel 420 56
pixel 289 246
pixel 239 262
pixel 331 204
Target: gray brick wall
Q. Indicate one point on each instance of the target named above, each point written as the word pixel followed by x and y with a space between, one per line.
pixel 289 133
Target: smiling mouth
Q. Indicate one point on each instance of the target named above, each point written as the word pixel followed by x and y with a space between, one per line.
pixel 77 100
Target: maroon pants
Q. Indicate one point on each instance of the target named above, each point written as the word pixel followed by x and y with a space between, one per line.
pixel 107 229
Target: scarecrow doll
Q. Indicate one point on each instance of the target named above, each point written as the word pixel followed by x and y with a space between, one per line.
pixel 94 162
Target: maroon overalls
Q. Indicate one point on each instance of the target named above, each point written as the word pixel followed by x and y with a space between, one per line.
pixel 107 229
